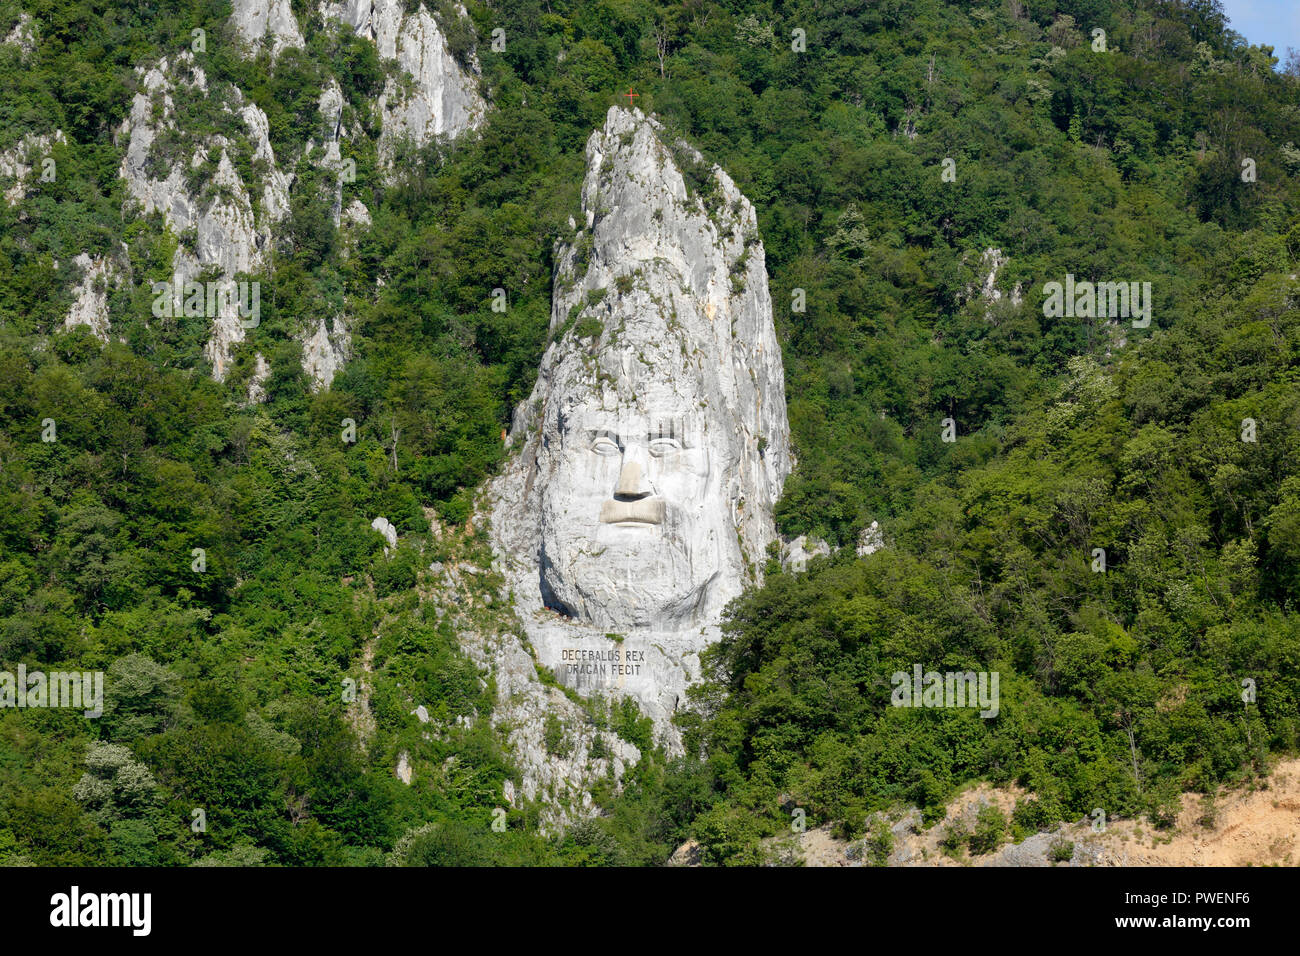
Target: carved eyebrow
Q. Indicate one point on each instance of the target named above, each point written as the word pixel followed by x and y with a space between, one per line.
pixel 594 433
pixel 673 428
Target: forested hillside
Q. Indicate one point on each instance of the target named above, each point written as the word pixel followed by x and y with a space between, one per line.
pixel 1120 689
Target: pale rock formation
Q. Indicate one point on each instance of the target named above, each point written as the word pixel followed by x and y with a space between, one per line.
pixel 90 295
pixel 22 35
pixel 403 771
pixel 443 101
pixel 992 262
pixel 871 540
pixel 796 553
pixel 331 109
pixel 326 345
pixel 257 381
pixel 325 351
pixel 273 20
pixel 385 528
pixel 563 781
pixel 356 214
pixel 18 162
pixel 655 443
pixel 226 234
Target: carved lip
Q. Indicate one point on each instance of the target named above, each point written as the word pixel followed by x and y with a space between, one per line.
pixel 641 511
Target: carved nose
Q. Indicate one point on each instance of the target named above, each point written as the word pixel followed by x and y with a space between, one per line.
pixel 630 486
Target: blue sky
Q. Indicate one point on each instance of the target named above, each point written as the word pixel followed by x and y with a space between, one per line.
pixel 1272 22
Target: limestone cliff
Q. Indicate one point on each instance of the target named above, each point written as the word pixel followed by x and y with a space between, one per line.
pixel 655 443
pixel 326 344
pixel 98 276
pixel 442 99
pixel 271 21
pixel 223 223
pixel 19 162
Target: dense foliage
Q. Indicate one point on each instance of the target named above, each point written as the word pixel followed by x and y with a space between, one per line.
pixel 1119 689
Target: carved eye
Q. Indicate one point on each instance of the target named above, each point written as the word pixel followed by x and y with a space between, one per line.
pixel 605 446
pixel 664 446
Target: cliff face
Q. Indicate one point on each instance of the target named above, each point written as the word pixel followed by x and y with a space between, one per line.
pixel 655 443
pixel 99 274
pixel 441 101
pixel 18 163
pixel 224 193
pixel 223 223
pixel 271 21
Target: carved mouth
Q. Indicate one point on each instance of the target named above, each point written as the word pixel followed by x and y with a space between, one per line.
pixel 644 511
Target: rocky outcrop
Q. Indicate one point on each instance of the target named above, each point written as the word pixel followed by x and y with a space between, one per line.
pixel 257 382
pixel 992 261
pixel 331 111
pixel 796 553
pixel 560 773
pixel 870 540
pixel 22 35
pixel 223 223
pixel 442 99
pixel 326 344
pixel 90 295
pixel 655 443
pixel 271 21
pixel 386 529
pixel 18 163
pixel 325 351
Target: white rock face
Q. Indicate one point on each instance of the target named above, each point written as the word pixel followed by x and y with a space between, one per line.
pixel 796 554
pixel 90 304
pixel 271 19
pixel 257 381
pixel 992 262
pixel 325 351
pixel 327 345
pixel 18 162
pixel 226 234
pixel 564 780
pixel 871 540
pixel 385 527
pixel 357 214
pixel 444 100
pixel 331 108
pixel 22 35
pixel 656 442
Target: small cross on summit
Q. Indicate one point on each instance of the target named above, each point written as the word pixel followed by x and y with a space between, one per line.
pixel 629 94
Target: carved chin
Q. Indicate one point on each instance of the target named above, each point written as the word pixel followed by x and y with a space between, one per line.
pixel 626 587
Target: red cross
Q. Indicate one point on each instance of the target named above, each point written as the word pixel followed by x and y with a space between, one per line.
pixel 629 94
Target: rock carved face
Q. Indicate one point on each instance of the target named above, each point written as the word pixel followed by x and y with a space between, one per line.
pixel 634 510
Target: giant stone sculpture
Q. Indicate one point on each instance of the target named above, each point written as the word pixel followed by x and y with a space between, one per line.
pixel 655 442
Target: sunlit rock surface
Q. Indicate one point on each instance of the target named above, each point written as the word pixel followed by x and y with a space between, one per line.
pixel 442 99
pixel 99 275
pixel 655 443
pixel 20 162
pixel 194 182
pixel 269 20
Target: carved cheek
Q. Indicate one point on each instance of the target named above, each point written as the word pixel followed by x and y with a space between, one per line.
pixel 683 476
pixel 695 461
